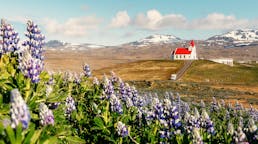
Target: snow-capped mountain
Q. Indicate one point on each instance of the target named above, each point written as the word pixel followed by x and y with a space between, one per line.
pixel 59 45
pixel 241 37
pixel 155 39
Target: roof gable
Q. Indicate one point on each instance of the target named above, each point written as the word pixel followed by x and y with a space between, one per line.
pixel 182 51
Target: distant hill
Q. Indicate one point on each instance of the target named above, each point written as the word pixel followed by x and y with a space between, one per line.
pixel 60 45
pixel 236 38
pixel 155 39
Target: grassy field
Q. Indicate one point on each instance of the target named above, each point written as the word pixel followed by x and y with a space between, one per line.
pixel 206 71
pixel 143 70
pixel 203 80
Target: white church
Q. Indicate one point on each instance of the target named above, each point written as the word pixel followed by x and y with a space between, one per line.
pixel 185 53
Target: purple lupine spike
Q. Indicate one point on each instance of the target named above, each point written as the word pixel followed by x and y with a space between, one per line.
pixel 70 106
pixel 35 40
pixel 116 105
pixel 10 39
pixel 207 124
pixel 175 117
pixel 251 126
pixel 86 70
pixel 239 136
pixel 122 91
pixel 202 104
pixel 29 66
pixel 19 110
pixel 230 128
pixel 238 106
pixel 113 77
pixel 95 81
pixel 128 90
pixel 46 115
pixel 122 129
pixel 107 87
pixel 214 105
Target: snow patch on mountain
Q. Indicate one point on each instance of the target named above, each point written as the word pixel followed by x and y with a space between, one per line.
pixel 238 38
pixel 155 39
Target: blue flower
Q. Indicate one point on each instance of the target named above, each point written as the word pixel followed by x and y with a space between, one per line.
pixel 9 39
pixel 86 70
pixel 19 110
pixel 122 129
pixel 70 106
pixel 46 115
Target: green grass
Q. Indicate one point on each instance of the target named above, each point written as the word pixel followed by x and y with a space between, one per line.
pixel 206 71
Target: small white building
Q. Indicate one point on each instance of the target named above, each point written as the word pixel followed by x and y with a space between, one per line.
pixel 185 53
pixel 227 61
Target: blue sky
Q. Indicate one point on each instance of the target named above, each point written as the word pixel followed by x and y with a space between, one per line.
pixel 112 22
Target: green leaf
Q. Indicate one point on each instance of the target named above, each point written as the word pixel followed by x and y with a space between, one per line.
pixel 75 140
pixel 51 140
pixel 99 122
pixel 10 134
pixel 29 135
pixel 35 136
pixel 19 133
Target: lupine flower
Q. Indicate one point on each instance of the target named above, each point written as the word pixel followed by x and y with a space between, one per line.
pixel 113 78
pixel 214 105
pixel 70 106
pixel 230 128
pixel 207 123
pixel 175 117
pixel 35 40
pixel 238 106
pixel 202 104
pixel 251 126
pixel 86 70
pixel 19 110
pixel 197 139
pixel 107 87
pixel 134 96
pixel 164 134
pixel 9 40
pixel 222 103
pixel 239 135
pixel 129 102
pixel 95 81
pixel 241 122
pixel 29 66
pixel 122 129
pixel 253 113
pixel 128 90
pixel 46 115
pixel 77 78
pixel 122 91
pixel 115 104
pixel 49 89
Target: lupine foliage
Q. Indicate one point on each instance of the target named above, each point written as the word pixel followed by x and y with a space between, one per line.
pixel 71 108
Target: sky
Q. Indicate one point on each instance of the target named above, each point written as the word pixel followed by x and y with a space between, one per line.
pixel 113 22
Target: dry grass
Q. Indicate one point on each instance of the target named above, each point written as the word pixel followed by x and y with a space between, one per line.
pixel 143 70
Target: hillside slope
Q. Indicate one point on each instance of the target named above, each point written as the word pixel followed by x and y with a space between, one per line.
pixel 206 71
pixel 143 70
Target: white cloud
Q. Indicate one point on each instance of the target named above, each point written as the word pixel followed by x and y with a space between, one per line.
pixel 218 21
pixel 154 20
pixel 121 19
pixel 78 26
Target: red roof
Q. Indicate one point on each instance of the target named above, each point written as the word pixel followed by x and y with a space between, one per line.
pixel 192 43
pixel 182 51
